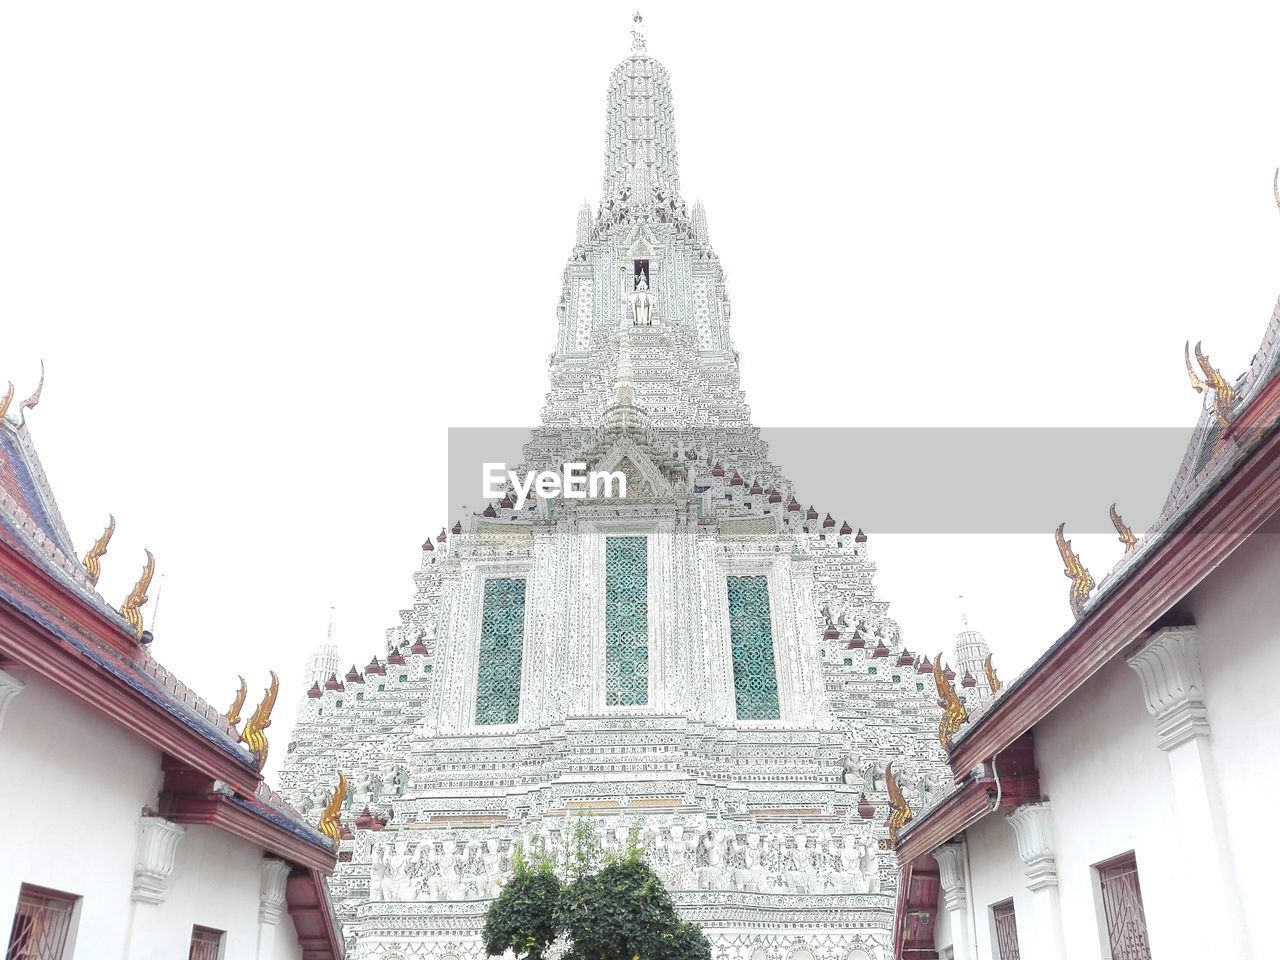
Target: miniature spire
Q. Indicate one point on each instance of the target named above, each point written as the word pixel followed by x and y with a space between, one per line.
pixel 584 224
pixel 699 221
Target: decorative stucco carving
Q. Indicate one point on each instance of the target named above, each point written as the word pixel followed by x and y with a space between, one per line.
pixel 1033 825
pixel 157 847
pixel 1169 668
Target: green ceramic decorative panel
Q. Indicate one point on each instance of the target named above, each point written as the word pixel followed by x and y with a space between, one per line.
pixel 626 583
pixel 501 652
pixel 755 680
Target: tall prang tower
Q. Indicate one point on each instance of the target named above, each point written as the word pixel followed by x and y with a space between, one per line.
pixel 703 662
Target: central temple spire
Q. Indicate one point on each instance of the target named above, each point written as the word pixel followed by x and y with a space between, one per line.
pixel 640 139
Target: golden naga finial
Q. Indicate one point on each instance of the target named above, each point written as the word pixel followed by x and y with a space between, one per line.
pixel 1122 528
pixel 1224 395
pixel 1081 580
pixel 899 814
pixel 92 559
pixel 31 401
pixel 131 609
pixel 992 680
pixel 233 715
pixel 954 715
pixel 6 400
pixel 329 818
pixel 253 735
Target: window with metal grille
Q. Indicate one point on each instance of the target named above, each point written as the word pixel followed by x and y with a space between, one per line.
pixel 1122 908
pixel 755 680
pixel 206 943
pixel 1005 924
pixel 626 619
pixel 501 651
pixel 41 924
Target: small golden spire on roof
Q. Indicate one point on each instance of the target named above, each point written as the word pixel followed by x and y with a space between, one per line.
pixel 1081 580
pixel 233 715
pixel 6 400
pixel 1224 395
pixel 992 680
pixel 329 818
pixel 1122 528
pixel 253 735
pixel 899 814
pixel 92 559
pixel 131 609
pixel 31 401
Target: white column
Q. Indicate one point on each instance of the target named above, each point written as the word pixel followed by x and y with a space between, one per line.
pixel 1041 939
pixel 270 903
pixel 1172 685
pixel 10 687
pixel 950 858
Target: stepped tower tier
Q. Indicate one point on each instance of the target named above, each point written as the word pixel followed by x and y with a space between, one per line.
pixel 704 660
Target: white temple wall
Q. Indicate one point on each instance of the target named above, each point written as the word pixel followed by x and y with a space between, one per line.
pixel 216 882
pixel 1109 791
pixel 72 793
pixel 996 875
pixel 1237 615
pixel 72 788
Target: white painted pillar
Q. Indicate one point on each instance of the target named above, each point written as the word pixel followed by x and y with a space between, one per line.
pixel 1041 939
pixel 1172 685
pixel 951 865
pixel 270 904
pixel 10 687
pixel 157 847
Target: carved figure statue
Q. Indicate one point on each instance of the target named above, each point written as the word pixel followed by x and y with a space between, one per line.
pixel 642 304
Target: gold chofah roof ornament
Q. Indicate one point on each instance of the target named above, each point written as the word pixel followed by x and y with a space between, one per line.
pixel 254 733
pixel 1122 529
pixel 6 400
pixel 1081 579
pixel 899 812
pixel 954 715
pixel 31 401
pixel 329 818
pixel 992 680
pixel 131 609
pixel 93 559
pixel 1224 395
pixel 233 715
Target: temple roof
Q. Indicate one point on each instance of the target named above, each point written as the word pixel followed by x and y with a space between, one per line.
pixel 61 628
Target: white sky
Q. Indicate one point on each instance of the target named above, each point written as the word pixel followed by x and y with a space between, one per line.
pixel 270 252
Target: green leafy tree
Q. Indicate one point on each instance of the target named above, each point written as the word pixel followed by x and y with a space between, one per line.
pixel 523 919
pixel 620 911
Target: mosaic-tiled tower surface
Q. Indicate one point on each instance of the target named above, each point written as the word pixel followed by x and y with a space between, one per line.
pixel 704 662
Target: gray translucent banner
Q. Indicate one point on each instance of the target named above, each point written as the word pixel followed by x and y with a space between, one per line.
pixel 885 480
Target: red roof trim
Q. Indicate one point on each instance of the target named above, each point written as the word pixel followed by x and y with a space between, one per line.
pixel 25 642
pixel 313 919
pixel 224 813
pixel 1244 499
